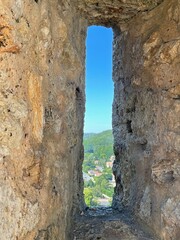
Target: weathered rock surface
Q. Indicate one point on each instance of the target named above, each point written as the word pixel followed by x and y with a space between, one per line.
pixel 42 98
pixel 146 113
pixel 106 224
pixel 111 12
pixel 41 121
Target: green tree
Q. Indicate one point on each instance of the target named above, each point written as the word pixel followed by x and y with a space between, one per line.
pixel 89 199
pixel 89 184
pixel 98 147
pixel 88 196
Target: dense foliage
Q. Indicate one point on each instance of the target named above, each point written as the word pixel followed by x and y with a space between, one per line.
pixel 100 144
pixel 98 149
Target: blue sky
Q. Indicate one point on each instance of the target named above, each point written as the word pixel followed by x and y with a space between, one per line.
pixel 99 84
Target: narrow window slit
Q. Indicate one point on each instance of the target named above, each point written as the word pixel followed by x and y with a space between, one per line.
pixel 99 180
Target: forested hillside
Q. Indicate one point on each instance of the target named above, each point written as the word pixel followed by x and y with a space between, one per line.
pixel 98 159
pixel 98 144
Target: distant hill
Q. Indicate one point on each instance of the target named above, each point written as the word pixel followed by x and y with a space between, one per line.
pixel 99 143
pixel 87 135
pixel 98 148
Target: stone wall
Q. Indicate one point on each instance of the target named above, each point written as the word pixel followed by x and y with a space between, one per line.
pixel 42 53
pixel 42 56
pixel 146 115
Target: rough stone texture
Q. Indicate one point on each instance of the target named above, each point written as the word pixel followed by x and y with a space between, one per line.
pixel 42 106
pixel 111 12
pixel 42 55
pixel 146 113
pixel 106 224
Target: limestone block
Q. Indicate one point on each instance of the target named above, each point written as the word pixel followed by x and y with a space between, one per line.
pixel 145 205
pixel 166 171
pixel 170 217
pixel 36 105
pixel 18 216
